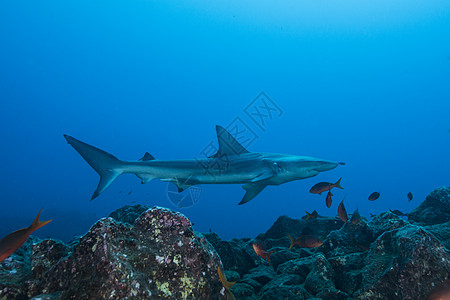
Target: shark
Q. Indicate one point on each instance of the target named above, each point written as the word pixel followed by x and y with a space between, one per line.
pixel 231 164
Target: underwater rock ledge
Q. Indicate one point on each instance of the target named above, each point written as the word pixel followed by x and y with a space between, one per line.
pixel 159 257
pixel 142 252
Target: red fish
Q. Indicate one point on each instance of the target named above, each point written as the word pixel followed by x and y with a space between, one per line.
pixel 305 241
pixel 328 199
pixel 342 212
pixel 312 215
pixel 374 196
pixel 356 217
pixel 10 243
pixel 441 292
pixel 226 284
pixel 261 251
pixel 321 187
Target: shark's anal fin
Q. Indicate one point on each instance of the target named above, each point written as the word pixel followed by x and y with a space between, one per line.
pixel 252 190
pixel 147 156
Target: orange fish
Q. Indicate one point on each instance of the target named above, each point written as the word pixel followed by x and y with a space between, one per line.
pixel 342 212
pixel 312 215
pixel 356 217
pixel 305 241
pixel 10 243
pixel 441 292
pixel 321 187
pixel 226 284
pixel 261 251
pixel 328 200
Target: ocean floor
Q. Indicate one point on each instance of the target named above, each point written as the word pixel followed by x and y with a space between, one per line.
pixel 143 252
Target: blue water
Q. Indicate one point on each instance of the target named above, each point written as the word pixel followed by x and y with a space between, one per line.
pixel 364 83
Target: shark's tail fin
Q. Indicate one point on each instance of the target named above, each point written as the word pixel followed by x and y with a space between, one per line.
pixel 106 165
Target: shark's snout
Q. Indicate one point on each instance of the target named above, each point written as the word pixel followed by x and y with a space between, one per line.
pixel 325 165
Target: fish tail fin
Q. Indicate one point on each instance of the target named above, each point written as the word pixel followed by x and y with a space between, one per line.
pixel 38 224
pixel 268 256
pixel 292 242
pixel 106 165
pixel 308 215
pixel 338 184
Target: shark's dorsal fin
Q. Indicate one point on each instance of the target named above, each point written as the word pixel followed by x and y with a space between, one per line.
pixel 147 156
pixel 228 145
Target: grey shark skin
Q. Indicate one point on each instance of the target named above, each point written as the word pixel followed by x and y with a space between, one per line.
pixel 232 164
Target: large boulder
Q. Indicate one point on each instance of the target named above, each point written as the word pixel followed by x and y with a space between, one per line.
pixel 159 257
pixel 434 209
pixel 404 263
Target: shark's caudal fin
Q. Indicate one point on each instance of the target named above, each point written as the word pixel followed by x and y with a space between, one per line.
pixel 106 165
pixel 228 145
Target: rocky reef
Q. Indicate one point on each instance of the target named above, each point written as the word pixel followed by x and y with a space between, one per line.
pixel 158 257
pixel 140 252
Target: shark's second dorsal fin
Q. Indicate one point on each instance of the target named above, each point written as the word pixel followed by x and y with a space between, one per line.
pixel 147 156
pixel 228 145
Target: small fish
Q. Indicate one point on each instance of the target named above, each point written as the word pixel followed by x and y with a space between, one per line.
pixel 360 246
pixel 305 241
pixel 321 187
pixel 374 196
pixel 120 192
pixel 10 243
pixel 328 199
pixel 226 284
pixel 312 215
pixel 356 217
pixel 261 251
pixel 441 292
pixel 397 212
pixel 130 192
pixel 342 212
pixel 341 163
pixel 410 196
pixel 372 215
pixel 133 201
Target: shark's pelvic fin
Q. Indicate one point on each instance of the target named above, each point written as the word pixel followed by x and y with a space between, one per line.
pixel 147 156
pixel 228 145
pixel 106 165
pixel 253 189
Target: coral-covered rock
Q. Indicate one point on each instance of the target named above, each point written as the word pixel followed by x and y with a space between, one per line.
pixel 434 209
pixel 441 232
pixel 284 225
pixel 45 254
pixel 236 255
pixel 285 286
pixel 348 271
pixel 160 257
pixel 129 213
pixel 321 275
pixel 404 263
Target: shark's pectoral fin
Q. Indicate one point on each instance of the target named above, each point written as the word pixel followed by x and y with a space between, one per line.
pixel 264 175
pixel 252 190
